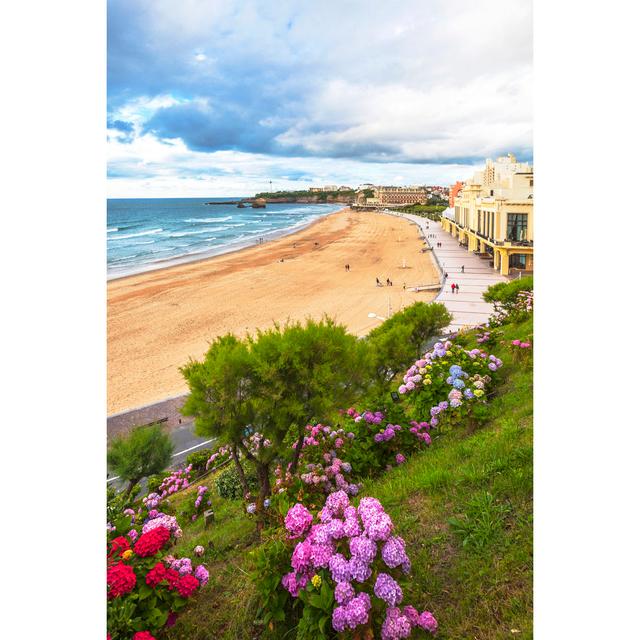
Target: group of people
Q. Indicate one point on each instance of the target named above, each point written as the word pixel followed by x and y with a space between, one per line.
pixel 379 284
pixel 454 288
pixel 347 267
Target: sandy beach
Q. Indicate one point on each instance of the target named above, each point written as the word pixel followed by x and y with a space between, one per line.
pixel 158 320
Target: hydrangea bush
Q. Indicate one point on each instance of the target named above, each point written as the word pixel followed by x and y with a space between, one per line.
pixel 346 570
pixel 144 592
pixel 449 383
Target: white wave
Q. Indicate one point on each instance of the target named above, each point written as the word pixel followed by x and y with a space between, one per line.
pixel 112 229
pixel 223 219
pixel 135 235
pixel 181 234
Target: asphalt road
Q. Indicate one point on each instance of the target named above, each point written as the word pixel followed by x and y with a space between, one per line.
pixel 184 443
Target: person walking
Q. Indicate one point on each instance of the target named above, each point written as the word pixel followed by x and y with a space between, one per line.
pixel 462 269
pixel 457 287
pixel 446 275
pixel 378 283
pixel 453 288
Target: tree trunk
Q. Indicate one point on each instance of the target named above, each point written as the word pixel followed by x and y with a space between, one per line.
pixel 132 483
pixel 264 490
pixel 243 478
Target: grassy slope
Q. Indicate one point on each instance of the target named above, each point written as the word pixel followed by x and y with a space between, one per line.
pixel 479 589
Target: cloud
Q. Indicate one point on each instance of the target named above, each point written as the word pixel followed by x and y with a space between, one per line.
pixel 439 82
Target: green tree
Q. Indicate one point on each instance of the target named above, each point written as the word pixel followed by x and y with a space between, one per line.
pixel 140 453
pixel 504 295
pixel 222 395
pixel 401 339
pixel 274 385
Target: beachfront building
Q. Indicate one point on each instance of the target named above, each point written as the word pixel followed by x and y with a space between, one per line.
pixel 330 187
pixel 401 195
pixel 453 192
pixel 315 189
pixel 493 214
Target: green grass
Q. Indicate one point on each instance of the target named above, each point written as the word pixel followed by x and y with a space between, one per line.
pixel 464 508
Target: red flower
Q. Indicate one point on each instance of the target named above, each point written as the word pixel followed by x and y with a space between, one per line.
pixel 156 575
pixel 121 579
pixel 143 635
pixel 118 546
pixel 187 585
pixel 173 578
pixel 150 543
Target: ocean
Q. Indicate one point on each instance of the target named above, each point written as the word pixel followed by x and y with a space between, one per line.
pixel 150 233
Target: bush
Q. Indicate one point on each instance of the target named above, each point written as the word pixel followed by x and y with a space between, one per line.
pixel 228 482
pixel 198 461
pixel 142 591
pixel 154 482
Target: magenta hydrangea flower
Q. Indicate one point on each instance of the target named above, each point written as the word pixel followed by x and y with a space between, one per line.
pixel 298 520
pixel 363 548
pixel 411 613
pixel 396 625
pixel 301 557
pixel 387 589
pixel 336 502
pixel 335 528
pixel 400 459
pixel 320 555
pixel 428 622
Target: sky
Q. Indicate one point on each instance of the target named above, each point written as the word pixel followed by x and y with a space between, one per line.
pixel 212 98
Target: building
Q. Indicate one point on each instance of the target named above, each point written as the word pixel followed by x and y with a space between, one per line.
pixel 330 187
pixel 400 195
pixel 453 192
pixel 315 189
pixel 344 188
pixel 493 214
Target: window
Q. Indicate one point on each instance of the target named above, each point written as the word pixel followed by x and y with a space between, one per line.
pixel 517 261
pixel 516 227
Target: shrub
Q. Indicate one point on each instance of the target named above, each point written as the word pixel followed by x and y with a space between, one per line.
pixel 198 461
pixel 346 572
pixel 154 482
pixel 228 482
pixel 142 591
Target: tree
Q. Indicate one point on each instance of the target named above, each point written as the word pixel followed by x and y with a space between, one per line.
pixel 222 395
pixel 141 453
pixel 305 372
pixel 504 295
pixel 273 385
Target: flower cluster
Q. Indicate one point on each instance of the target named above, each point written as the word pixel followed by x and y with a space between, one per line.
pixel 255 442
pixel 121 579
pixel 421 430
pixel 175 481
pixel 483 337
pixel 388 433
pixel 159 519
pixel 354 548
pixel 521 344
pixel 202 489
pixel 219 456
pixel 370 417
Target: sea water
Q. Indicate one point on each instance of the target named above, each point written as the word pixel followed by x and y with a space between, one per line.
pixel 151 233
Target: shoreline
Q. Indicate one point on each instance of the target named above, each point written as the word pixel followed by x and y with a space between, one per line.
pixel 276 234
pixel 158 320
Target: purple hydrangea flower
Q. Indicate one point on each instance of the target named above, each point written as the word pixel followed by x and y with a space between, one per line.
pixel 343 592
pixel 201 574
pixel 393 552
pixel 363 548
pixel 428 622
pixel 387 589
pixel 339 568
pixel 396 625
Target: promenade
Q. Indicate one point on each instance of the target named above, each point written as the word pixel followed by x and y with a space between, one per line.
pixel 467 306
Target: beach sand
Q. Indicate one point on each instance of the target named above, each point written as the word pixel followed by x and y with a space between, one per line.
pixel 158 320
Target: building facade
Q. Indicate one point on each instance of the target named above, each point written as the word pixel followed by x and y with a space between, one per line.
pixel 493 214
pixel 400 195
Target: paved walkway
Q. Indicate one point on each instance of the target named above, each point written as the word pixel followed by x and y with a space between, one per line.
pixel 467 306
